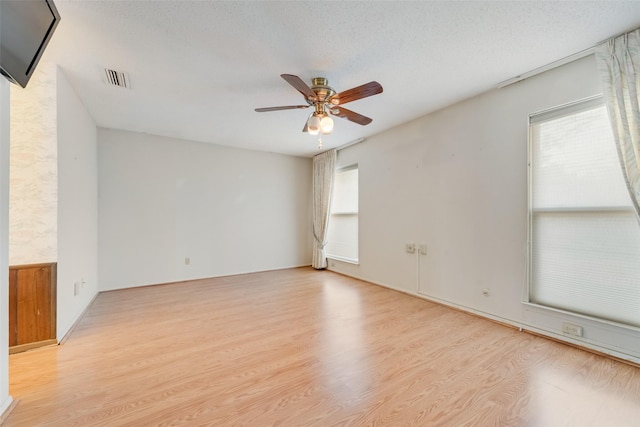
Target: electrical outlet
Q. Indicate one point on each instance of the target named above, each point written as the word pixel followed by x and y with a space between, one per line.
pixel 187 261
pixel 423 249
pixel 571 329
pixel 410 248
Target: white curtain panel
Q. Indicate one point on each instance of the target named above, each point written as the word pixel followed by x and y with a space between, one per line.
pixel 619 65
pixel 323 171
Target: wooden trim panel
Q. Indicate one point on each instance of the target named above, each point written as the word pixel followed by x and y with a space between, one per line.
pixel 32 305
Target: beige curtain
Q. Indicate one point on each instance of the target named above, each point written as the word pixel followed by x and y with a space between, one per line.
pixel 619 66
pixel 323 172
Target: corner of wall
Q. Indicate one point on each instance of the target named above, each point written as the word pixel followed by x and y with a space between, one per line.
pixel 77 204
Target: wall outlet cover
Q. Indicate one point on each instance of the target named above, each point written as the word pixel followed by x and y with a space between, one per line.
pixel 571 329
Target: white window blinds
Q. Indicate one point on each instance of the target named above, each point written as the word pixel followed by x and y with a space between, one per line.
pixel 585 239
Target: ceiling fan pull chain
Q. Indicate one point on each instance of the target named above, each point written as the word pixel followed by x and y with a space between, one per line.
pixel 319 143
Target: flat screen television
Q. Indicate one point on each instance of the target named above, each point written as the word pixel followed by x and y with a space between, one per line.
pixel 25 30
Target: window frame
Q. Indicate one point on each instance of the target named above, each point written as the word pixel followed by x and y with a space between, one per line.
pixel 356 261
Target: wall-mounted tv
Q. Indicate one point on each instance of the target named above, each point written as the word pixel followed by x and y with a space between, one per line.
pixel 25 30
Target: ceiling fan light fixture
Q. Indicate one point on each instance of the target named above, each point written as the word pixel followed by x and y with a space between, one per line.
pixel 313 125
pixel 326 125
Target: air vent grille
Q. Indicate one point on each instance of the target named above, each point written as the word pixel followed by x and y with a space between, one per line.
pixel 117 78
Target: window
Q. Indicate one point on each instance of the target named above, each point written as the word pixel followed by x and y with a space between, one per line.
pixel 584 235
pixel 342 241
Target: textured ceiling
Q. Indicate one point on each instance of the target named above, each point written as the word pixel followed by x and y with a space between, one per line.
pixel 199 68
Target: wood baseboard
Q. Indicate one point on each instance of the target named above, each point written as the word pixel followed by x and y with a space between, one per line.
pixel 7 411
pixel 30 346
pixel 73 326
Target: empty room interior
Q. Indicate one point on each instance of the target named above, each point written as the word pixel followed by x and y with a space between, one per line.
pixel 448 234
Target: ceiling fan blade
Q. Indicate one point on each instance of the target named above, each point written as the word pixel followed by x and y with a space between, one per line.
pixel 300 86
pixel 350 115
pixel 362 91
pixel 305 128
pixel 286 107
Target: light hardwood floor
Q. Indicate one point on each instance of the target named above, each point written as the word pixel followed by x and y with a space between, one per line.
pixel 304 348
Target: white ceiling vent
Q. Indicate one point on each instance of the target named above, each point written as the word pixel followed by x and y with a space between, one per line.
pixel 117 78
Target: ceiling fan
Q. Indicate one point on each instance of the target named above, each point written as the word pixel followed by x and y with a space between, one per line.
pixel 326 101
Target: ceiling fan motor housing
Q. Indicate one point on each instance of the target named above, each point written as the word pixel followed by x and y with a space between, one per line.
pixel 320 86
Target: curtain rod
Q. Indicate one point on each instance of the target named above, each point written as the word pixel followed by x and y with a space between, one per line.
pixel 343 146
pixel 550 66
pixel 558 63
pixel 349 144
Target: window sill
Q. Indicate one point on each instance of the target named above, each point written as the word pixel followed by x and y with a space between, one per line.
pixel 345 260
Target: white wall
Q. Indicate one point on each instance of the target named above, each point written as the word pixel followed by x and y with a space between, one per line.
pixel 230 211
pixel 456 180
pixel 5 399
pixel 77 190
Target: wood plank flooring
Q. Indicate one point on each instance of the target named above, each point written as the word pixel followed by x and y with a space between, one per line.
pixel 305 348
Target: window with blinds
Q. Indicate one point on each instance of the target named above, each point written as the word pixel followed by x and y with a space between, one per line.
pixel 584 234
pixel 342 241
